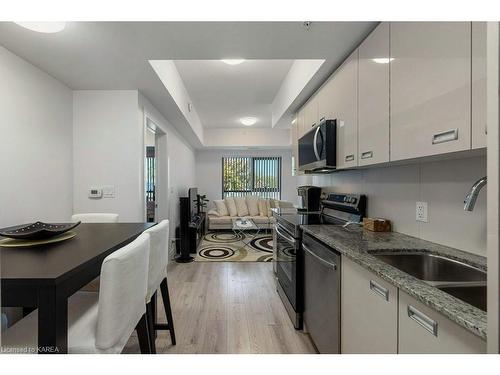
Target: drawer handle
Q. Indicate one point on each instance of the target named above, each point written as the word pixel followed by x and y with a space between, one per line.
pixel 321 260
pixel 349 157
pixel 447 136
pixel 379 289
pixel 423 320
pixel 367 155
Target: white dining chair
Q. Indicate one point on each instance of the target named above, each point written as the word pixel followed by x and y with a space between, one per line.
pixel 101 323
pixel 93 286
pixel 157 279
pixel 95 218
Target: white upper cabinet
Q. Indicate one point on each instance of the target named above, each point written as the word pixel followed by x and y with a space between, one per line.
pixel 373 105
pixel 300 122
pixel 430 88
pixel 310 114
pixel 478 84
pixel 344 102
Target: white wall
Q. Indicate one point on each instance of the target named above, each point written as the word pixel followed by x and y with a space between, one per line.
pixel 35 153
pixel 209 171
pixel 393 192
pixel 108 150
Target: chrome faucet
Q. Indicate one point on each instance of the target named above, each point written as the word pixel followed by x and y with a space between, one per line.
pixel 471 197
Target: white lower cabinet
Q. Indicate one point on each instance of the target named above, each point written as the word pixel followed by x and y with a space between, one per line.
pixel 425 331
pixel 369 312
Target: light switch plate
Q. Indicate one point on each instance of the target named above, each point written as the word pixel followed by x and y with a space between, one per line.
pixel 421 212
pixel 108 191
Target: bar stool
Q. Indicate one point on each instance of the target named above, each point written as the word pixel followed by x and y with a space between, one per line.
pixel 157 279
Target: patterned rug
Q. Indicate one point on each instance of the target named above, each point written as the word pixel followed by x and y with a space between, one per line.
pixel 235 247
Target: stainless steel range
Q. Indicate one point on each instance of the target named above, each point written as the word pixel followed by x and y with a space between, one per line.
pixel 337 209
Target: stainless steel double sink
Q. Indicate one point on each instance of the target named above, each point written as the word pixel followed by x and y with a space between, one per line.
pixel 459 279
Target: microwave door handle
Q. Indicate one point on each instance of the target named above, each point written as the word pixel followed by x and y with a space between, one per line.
pixel 315 147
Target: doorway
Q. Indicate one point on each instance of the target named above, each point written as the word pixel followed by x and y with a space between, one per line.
pixel 155 173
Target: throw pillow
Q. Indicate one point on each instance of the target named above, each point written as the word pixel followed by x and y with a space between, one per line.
pixel 262 207
pixel 221 207
pixel 253 205
pixel 268 206
pixel 231 206
pixel 241 206
pixel 213 213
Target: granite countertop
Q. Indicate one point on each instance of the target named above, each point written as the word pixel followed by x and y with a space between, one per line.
pixel 356 243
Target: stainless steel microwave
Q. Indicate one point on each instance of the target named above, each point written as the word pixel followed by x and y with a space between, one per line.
pixel 318 148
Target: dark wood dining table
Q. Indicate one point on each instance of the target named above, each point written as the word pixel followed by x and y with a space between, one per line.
pixel 45 276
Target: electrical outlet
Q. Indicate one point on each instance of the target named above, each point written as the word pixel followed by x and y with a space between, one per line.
pixel 421 212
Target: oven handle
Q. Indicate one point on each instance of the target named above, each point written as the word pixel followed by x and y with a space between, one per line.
pixel 285 236
pixel 315 148
pixel 321 260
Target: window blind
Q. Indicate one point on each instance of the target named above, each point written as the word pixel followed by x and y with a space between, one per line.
pixel 251 175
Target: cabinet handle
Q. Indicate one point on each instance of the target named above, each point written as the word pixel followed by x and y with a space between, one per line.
pixel 379 289
pixel 313 125
pixel 423 320
pixel 349 157
pixel 321 120
pixel 447 136
pixel 367 155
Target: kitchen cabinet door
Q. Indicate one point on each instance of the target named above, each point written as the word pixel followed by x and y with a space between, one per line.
pixel 369 315
pixel 310 114
pixel 430 88
pixel 478 84
pixel 300 122
pixel 345 103
pixel 425 331
pixel 373 105
pixel 295 147
pixel 326 105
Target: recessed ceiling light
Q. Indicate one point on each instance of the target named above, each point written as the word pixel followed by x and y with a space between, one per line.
pixel 43 27
pixel 248 121
pixel 383 60
pixel 232 61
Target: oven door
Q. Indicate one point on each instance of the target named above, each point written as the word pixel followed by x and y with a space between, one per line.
pixel 286 266
pixel 312 148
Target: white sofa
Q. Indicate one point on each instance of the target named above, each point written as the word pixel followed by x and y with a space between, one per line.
pixel 252 206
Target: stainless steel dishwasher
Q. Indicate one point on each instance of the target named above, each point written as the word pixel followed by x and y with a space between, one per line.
pixel 322 295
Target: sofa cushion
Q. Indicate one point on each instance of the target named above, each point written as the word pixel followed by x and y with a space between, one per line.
pixel 231 206
pixel 268 205
pixel 262 207
pixel 260 219
pixel 241 206
pixel 253 205
pixel 285 204
pixel 221 208
pixel 220 219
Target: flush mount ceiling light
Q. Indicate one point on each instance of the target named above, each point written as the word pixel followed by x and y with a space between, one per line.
pixel 43 27
pixel 383 60
pixel 232 61
pixel 248 121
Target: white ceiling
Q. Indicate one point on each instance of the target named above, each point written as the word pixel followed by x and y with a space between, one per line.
pixel 222 94
pixel 115 55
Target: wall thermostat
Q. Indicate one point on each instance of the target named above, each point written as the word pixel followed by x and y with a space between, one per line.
pixel 95 193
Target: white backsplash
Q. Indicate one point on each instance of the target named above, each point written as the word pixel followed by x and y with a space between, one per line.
pixel 393 192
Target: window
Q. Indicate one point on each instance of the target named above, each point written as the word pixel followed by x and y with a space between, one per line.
pixel 248 175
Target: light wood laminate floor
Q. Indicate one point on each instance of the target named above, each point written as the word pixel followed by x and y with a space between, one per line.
pixel 226 307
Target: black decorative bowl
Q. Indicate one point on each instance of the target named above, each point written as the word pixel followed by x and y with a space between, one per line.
pixel 37 231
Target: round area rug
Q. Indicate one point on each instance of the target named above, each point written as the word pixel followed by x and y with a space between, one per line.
pixel 224 237
pixel 263 244
pixel 216 252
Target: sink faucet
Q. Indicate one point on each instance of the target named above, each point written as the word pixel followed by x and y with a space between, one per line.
pixel 471 197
